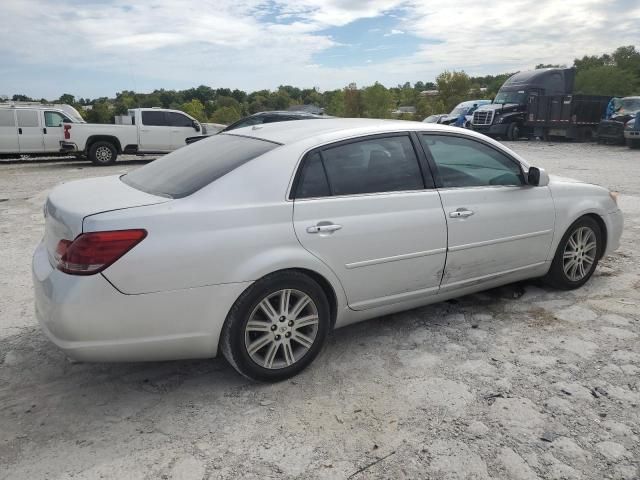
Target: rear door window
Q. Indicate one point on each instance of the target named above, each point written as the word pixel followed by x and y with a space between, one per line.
pixel 382 164
pixel 27 118
pixel 7 118
pixel 151 118
pixel 313 179
pixel 190 168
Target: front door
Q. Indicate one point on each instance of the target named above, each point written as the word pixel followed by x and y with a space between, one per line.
pixel 362 208
pixel 181 128
pixel 29 131
pixel 52 131
pixel 8 131
pixel 155 133
pixel 497 224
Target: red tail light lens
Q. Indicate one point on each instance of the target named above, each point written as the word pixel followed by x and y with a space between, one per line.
pixel 92 252
pixel 67 133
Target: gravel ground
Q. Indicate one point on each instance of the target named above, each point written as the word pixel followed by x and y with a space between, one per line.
pixel 521 382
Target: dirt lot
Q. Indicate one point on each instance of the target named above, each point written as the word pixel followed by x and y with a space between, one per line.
pixel 521 382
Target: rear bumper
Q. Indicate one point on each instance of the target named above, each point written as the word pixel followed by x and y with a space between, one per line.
pixel 632 134
pixel 90 320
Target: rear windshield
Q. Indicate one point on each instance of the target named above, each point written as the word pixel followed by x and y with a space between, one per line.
pixel 192 167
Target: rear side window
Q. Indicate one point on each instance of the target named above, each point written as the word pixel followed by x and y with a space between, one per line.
pixel 27 118
pixel 385 164
pixel 178 120
pixel 313 180
pixel 190 168
pixel 7 118
pixel 152 118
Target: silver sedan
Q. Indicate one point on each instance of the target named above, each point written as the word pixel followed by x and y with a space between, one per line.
pixel 257 242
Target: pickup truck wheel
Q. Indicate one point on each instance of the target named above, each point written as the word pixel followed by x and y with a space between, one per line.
pixel 103 153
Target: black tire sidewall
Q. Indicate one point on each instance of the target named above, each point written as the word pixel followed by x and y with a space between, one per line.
pixel 233 344
pixel 94 148
pixel 556 275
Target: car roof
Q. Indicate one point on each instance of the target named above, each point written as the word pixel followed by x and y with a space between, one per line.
pixel 335 129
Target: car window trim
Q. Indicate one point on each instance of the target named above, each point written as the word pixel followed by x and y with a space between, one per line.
pixel 296 179
pixel 434 166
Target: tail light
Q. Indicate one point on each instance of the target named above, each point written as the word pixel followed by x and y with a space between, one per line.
pixel 92 252
pixel 67 132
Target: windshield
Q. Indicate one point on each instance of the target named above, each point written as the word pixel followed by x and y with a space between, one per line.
pixel 629 105
pixel 459 110
pixel 194 166
pixel 518 97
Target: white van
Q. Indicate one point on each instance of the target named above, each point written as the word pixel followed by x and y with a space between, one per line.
pixel 34 129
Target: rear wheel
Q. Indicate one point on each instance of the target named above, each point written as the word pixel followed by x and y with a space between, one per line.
pixel 277 327
pixel 577 255
pixel 103 153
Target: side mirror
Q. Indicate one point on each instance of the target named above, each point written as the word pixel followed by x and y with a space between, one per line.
pixel 537 177
pixel 196 126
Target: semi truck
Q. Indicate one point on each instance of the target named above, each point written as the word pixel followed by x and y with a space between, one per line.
pixel 541 103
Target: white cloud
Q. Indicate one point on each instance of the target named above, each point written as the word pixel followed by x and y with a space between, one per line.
pixel 245 44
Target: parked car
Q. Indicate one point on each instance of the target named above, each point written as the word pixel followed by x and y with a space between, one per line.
pixel 466 109
pixel 34 129
pixel 151 130
pixel 541 103
pixel 255 243
pixel 435 118
pixel 632 133
pixel 612 129
pixel 264 117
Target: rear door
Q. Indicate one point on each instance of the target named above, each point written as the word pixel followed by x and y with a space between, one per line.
pixel 52 131
pixel 181 128
pixel 363 208
pixel 497 224
pixel 30 135
pixel 155 132
pixel 8 131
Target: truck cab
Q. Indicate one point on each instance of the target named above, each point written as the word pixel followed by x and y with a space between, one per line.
pixel 505 117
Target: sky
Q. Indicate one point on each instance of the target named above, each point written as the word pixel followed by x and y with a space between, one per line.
pixel 93 48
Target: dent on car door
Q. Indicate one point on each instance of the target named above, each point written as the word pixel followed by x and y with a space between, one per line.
pixel 496 223
pixel 362 208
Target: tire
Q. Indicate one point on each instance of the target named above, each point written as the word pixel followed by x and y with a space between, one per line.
pixel 633 143
pixel 103 153
pixel 563 273
pixel 513 132
pixel 241 340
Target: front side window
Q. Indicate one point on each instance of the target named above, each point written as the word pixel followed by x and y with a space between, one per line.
pixel 178 120
pixel 462 162
pixel 151 118
pixel 53 119
pixel 27 118
pixel 190 168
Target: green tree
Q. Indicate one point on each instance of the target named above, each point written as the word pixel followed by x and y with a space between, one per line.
pixel 606 80
pixel 628 59
pixel 335 103
pixel 67 98
pixel 377 101
pixel 21 98
pixel 453 87
pixel 352 101
pixel 225 115
pixel 195 108
pixel 428 106
pixel 100 113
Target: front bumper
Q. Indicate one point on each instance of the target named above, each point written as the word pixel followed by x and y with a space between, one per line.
pixel 90 320
pixel 497 129
pixel 632 134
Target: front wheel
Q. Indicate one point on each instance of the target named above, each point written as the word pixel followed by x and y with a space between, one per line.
pixel 103 153
pixel 277 327
pixel 513 132
pixel 577 255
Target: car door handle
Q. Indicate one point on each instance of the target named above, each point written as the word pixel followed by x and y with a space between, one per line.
pixel 324 228
pixel 19 131
pixel 44 130
pixel 461 213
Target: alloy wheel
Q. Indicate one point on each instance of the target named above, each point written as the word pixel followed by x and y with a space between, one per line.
pixel 281 329
pixel 103 154
pixel 579 254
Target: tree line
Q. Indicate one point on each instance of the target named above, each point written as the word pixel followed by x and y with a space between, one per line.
pixel 616 74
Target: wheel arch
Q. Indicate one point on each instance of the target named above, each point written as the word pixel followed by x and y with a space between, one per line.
pixel 603 230
pixel 103 138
